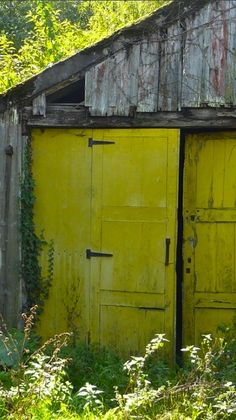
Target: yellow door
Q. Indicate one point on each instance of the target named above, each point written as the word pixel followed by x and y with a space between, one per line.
pixel 62 173
pixel 109 192
pixel 209 233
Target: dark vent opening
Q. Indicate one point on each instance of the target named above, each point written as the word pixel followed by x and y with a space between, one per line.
pixel 73 93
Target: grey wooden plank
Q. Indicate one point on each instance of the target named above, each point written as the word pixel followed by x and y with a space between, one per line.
pixel 120 80
pixel 194 59
pixel 221 90
pixel 148 74
pixel 230 76
pixel 112 87
pixel 89 77
pixel 2 212
pixel 209 56
pixel 100 91
pixel 133 54
pixel 12 228
pixel 170 68
pixel 9 217
pixel 39 105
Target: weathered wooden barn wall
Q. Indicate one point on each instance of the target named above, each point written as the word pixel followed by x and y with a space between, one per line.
pixel 188 63
pixel 11 144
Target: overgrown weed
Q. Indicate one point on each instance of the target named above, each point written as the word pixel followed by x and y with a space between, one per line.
pixel 95 365
pixel 36 383
pixel 36 380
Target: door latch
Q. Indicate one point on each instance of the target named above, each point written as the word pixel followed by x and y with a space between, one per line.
pixel 167 251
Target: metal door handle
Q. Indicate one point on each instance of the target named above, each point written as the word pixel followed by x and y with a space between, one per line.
pixel 167 251
pixel 90 254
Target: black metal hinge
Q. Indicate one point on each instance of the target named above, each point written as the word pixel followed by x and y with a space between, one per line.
pixel 90 254
pixel 92 142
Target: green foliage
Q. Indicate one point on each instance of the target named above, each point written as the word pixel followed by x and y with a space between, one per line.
pixel 8 63
pixel 15 345
pixel 196 393
pixel 14 16
pixel 38 387
pixel 38 380
pixel 89 398
pixel 13 19
pixel 43 32
pixel 226 366
pixel 31 244
pixel 95 365
pixel 141 396
pixel 107 16
pixel 37 286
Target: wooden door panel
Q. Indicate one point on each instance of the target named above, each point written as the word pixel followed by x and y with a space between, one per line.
pixel 134 327
pixel 215 317
pixel 215 258
pixel 138 263
pixel 62 174
pixel 210 168
pixel 209 233
pixel 125 165
pixel 134 203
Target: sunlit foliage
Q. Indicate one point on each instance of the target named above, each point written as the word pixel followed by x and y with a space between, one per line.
pixel 39 33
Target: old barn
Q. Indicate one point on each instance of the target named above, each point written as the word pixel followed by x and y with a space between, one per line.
pixel 133 160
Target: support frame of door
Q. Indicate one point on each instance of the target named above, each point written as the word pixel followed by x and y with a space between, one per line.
pixel 179 253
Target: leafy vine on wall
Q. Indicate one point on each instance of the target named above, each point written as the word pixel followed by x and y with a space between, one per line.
pixel 36 285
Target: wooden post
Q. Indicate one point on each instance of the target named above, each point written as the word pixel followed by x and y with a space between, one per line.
pixel 10 169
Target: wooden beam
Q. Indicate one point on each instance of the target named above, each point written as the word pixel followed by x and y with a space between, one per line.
pixel 78 116
pixel 11 149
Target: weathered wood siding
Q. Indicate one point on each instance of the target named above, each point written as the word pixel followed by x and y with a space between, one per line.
pixel 125 80
pixel 189 63
pixel 209 56
pixel 11 144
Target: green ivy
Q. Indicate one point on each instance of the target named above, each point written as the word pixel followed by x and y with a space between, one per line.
pixel 36 286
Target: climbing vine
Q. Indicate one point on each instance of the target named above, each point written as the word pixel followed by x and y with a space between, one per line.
pixel 36 285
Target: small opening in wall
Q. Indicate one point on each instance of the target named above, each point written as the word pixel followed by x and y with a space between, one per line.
pixel 74 93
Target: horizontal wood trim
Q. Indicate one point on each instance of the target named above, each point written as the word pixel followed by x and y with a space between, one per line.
pixel 215 300
pixel 132 299
pixel 190 118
